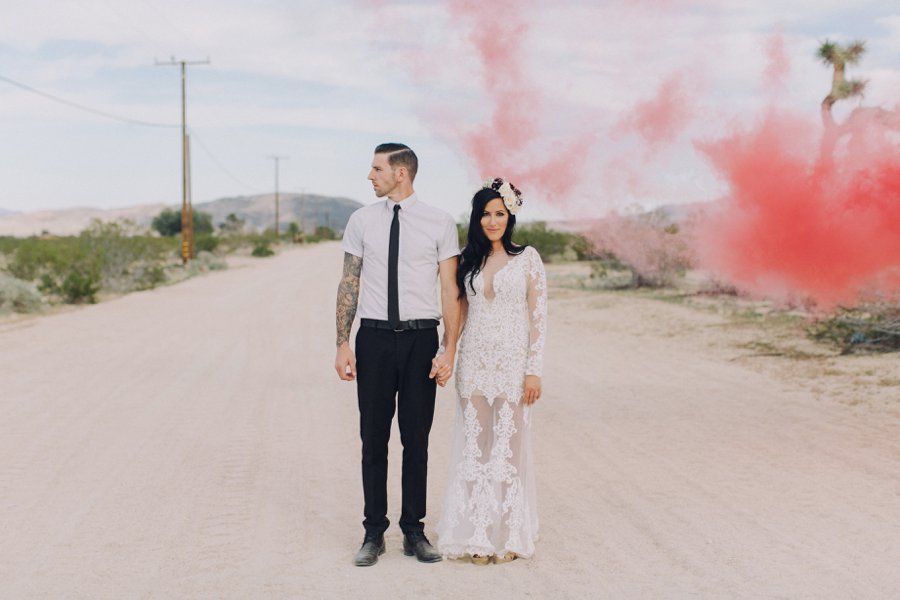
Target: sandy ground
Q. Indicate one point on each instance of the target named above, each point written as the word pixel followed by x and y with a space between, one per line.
pixel 194 442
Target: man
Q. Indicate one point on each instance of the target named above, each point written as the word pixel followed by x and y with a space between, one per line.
pixel 396 251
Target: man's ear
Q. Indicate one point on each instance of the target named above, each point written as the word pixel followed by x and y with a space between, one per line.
pixel 402 173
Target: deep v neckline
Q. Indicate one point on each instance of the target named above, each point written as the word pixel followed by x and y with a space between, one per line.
pixel 484 279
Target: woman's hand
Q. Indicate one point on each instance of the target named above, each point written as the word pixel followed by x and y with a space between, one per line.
pixel 532 389
pixel 442 366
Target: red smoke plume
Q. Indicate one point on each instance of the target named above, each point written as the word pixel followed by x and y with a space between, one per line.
pixel 661 119
pixel 779 67
pixel 791 224
pixel 794 226
pixel 800 221
pixel 514 143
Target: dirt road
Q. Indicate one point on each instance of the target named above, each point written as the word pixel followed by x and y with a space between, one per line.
pixel 194 442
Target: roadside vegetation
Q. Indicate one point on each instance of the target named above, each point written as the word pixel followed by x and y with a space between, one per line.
pixel 651 255
pixel 114 258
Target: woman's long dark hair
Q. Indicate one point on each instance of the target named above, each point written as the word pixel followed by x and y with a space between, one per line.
pixel 478 246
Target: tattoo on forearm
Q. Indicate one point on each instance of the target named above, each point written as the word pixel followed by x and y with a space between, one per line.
pixel 347 297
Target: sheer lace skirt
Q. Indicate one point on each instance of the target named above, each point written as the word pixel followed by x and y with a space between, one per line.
pixel 490 502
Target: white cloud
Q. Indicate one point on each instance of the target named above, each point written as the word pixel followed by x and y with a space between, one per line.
pixel 344 74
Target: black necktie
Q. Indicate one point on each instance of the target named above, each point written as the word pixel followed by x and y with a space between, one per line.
pixel 393 260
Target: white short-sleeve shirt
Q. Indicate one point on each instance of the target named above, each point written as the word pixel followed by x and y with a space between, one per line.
pixel 427 237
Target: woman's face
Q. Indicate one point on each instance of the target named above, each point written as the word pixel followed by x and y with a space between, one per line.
pixel 494 219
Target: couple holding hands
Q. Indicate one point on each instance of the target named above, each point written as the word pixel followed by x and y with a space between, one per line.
pixel 494 307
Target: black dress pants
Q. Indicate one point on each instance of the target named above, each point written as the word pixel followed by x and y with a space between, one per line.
pixel 392 372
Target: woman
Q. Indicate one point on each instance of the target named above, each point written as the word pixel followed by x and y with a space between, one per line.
pixel 489 511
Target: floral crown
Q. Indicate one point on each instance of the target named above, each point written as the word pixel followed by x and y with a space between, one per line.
pixel 511 195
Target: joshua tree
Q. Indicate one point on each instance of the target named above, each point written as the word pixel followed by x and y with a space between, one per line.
pixel 862 120
pixel 838 57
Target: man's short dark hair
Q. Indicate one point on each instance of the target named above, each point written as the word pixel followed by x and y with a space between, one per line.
pixel 400 155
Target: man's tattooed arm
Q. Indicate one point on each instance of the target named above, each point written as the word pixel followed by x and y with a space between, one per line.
pixel 347 296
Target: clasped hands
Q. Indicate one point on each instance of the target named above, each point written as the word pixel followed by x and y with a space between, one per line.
pixel 442 367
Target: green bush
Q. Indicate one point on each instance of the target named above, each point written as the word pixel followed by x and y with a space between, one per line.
pixel 116 257
pixel 168 222
pixel 550 243
pixel 19 296
pixel 126 257
pixel 321 233
pixel 205 242
pixel 34 257
pixel 80 286
pixel 262 249
pixel 148 277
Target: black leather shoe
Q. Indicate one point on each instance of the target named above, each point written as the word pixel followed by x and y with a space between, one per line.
pixel 416 544
pixel 372 548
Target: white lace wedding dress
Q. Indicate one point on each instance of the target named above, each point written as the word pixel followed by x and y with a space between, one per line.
pixel 490 505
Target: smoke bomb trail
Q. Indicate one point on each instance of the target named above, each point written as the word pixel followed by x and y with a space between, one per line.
pixel 795 227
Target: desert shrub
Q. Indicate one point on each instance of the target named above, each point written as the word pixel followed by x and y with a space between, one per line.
pixel 109 256
pixel 321 233
pixel 168 222
pixel 147 277
pixel 127 259
pixel 550 243
pixel 649 244
pixel 33 257
pixel 19 296
pixel 80 287
pixel 873 327
pixel 232 224
pixel 207 261
pixel 325 233
pixel 262 249
pixel 8 244
pixel 584 248
pixel 608 272
pixel 206 242
pixel 295 233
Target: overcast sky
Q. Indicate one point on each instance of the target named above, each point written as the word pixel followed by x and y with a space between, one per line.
pixel 323 82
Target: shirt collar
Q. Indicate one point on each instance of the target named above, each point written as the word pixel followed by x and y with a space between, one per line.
pixel 405 204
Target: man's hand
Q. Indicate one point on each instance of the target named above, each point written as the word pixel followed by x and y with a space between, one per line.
pixel 345 362
pixel 532 389
pixel 442 367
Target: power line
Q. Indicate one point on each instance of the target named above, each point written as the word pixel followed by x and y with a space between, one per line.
pixel 250 188
pixel 130 121
pixel 95 111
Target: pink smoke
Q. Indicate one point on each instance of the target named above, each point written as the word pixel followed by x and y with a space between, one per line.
pixel 790 225
pixel 513 142
pixel 779 67
pixel 793 226
pixel 661 119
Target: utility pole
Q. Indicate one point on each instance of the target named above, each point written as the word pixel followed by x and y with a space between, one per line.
pixel 302 209
pixel 187 215
pixel 190 200
pixel 276 159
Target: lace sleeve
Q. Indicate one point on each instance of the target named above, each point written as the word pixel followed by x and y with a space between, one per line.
pixel 537 314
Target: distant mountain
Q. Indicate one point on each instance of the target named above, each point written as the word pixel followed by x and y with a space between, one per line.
pixel 70 221
pixel 674 213
pixel 258 212
pixel 3 211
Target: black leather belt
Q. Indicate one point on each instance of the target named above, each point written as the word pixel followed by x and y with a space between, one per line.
pixel 402 325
